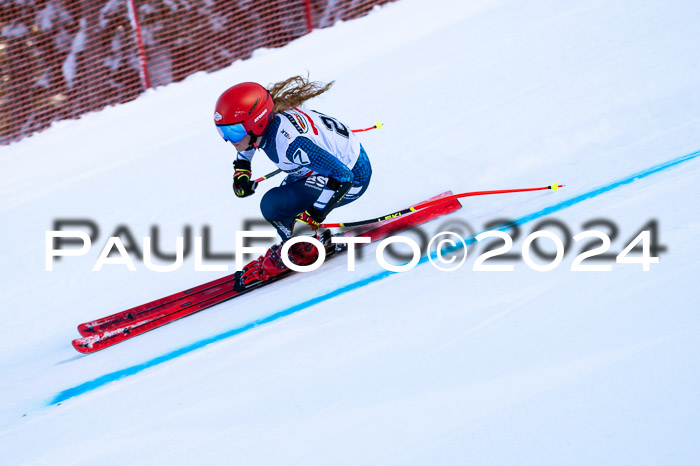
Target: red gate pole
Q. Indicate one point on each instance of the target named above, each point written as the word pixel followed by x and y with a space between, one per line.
pixel 131 6
pixel 307 7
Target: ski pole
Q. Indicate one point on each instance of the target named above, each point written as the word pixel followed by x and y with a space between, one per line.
pixel 269 175
pixel 377 125
pixel 426 204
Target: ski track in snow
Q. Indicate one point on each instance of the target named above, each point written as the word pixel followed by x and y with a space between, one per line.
pixel 120 374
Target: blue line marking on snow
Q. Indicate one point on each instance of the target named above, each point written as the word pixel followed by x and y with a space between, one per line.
pixel 120 374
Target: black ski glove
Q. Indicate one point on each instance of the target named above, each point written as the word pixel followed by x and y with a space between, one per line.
pixel 243 186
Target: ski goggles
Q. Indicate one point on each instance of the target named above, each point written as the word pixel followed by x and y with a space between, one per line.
pixel 232 133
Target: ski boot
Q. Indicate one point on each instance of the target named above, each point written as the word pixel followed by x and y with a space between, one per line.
pixel 269 266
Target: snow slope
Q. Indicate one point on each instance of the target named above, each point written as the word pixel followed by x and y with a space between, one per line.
pixel 423 367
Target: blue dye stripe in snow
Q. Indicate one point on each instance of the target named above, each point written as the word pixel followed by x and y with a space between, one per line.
pixel 120 374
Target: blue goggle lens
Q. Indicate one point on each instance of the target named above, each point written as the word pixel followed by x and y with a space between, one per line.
pixel 233 133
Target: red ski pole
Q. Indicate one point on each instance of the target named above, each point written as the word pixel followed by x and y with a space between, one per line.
pixel 377 125
pixel 423 205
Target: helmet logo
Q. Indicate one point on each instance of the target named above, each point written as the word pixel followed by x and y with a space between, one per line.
pixel 260 116
pixel 253 107
pixel 217 116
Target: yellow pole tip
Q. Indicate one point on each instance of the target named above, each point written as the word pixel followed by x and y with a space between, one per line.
pixel 555 186
pixel 378 125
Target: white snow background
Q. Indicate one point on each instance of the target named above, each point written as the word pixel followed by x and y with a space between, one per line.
pixel 422 367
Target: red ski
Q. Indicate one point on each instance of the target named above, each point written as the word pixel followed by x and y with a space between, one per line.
pixel 107 331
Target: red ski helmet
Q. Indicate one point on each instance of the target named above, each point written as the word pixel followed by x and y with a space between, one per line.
pixel 245 108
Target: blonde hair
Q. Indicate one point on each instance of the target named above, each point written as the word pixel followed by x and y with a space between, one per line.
pixel 294 91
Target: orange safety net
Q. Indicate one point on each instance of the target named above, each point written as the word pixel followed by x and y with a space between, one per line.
pixel 62 58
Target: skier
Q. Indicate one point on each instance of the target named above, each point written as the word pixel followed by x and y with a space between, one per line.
pixel 326 165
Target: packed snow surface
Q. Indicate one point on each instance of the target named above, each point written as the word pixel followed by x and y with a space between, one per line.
pixel 366 367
